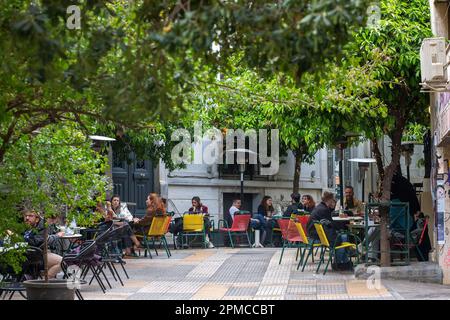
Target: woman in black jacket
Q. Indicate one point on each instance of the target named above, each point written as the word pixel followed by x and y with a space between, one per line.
pixel 265 212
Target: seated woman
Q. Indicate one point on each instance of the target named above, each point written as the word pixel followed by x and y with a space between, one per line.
pixel 34 236
pixel 265 211
pixel 198 207
pixel 155 207
pixel 117 210
pixel 308 203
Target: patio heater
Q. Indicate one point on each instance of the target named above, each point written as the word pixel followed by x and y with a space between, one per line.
pixel 341 144
pixel 99 141
pixel 363 166
pixel 241 161
pixel 407 150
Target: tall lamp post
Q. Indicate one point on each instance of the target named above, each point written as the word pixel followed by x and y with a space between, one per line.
pixel 241 155
pixel 363 166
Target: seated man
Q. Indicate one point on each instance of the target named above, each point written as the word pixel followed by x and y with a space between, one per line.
pixel 351 203
pixel 295 206
pixel 35 237
pixel 322 213
pixel 228 216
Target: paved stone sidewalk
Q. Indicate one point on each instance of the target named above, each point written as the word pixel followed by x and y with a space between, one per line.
pixel 247 274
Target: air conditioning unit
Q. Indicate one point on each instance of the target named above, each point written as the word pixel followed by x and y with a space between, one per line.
pixel 433 61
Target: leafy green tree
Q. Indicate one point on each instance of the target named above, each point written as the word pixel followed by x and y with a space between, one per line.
pixel 308 117
pixel 54 172
pixel 397 39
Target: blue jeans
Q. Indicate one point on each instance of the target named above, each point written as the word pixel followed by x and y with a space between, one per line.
pixel 262 226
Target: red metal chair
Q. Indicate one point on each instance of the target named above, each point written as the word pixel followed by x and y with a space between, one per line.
pixel 399 243
pixel 290 236
pixel 239 227
pixel 304 221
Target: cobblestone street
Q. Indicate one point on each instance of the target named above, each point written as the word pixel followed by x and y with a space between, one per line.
pixel 247 274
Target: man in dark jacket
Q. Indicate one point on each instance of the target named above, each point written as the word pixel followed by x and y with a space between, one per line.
pixel 295 206
pixel 322 213
pixel 35 237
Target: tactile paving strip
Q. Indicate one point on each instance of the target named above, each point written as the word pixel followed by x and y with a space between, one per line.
pixel 242 291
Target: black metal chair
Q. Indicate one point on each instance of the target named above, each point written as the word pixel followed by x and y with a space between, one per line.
pixel 31 269
pixel 86 260
pixel 105 243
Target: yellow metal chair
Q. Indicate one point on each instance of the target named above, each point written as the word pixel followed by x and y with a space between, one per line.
pixel 307 244
pixel 157 231
pixel 326 247
pixel 193 226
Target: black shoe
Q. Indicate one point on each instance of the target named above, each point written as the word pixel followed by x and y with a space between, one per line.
pixel 348 266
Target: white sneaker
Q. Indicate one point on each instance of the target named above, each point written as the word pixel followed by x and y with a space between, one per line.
pixel 210 244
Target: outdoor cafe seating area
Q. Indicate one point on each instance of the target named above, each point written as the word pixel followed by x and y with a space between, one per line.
pixel 94 255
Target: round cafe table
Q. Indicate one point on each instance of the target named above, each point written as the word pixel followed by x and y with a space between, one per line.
pixel 72 239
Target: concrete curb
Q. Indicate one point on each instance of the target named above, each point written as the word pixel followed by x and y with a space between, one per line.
pixel 428 272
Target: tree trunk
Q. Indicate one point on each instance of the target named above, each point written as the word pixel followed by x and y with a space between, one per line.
pixel 389 171
pixel 385 247
pixel 379 160
pixel 297 171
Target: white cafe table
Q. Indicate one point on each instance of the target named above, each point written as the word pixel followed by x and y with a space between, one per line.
pixel 72 238
pixel 347 218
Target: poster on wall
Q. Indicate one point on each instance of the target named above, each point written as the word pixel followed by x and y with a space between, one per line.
pixel 440 209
